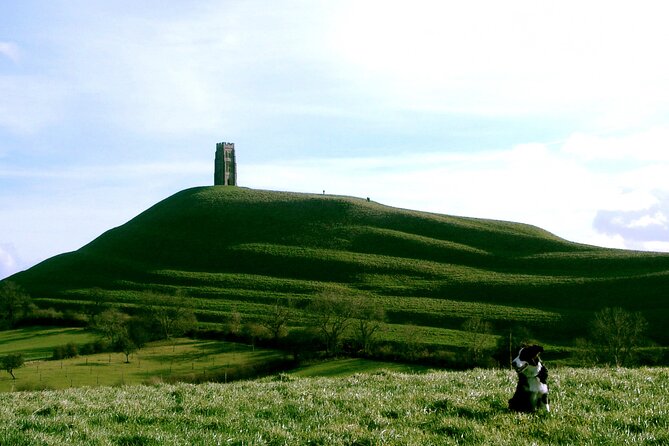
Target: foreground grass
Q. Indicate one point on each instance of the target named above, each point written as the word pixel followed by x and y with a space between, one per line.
pixel 590 406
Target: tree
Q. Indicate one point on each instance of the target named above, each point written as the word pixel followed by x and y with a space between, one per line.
pixel 111 324
pixel 127 346
pixel 137 331
pixel 133 338
pixel 15 303
pixel 98 305
pixel 171 315
pixel 11 362
pixel 235 323
pixel 616 333
pixel 277 323
pixel 255 331
pixel 332 315
pixel 302 342
pixel 369 316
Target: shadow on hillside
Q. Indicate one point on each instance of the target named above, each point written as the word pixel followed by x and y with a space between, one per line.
pixel 210 349
pixel 22 334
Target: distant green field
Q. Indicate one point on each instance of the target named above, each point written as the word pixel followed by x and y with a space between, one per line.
pixel 351 366
pixel 232 249
pixel 38 342
pixel 180 359
pixel 588 407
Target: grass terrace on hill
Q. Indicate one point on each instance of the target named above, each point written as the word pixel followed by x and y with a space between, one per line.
pixel 234 249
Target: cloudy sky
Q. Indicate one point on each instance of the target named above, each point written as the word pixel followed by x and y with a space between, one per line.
pixel 549 113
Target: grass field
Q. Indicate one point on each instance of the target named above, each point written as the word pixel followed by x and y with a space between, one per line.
pixel 589 407
pixel 232 249
pixel 38 342
pixel 184 359
pixel 351 366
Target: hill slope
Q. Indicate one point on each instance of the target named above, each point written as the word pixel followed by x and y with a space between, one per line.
pixel 245 250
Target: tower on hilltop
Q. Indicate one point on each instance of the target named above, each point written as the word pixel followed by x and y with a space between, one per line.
pixel 225 166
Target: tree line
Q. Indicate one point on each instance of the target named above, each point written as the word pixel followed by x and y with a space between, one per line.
pixel 330 324
pixel 350 325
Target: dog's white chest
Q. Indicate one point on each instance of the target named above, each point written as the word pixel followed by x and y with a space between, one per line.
pixel 537 386
pixel 534 383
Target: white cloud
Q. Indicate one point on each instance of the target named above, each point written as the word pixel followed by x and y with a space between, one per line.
pixel 10 50
pixel 657 219
pixel 648 145
pixel 645 228
pixel 523 184
pixel 530 183
pixel 9 263
pixel 636 165
pixel 658 246
pixel 200 69
pixel 508 58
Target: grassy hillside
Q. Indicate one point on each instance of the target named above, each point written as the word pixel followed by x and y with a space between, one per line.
pixel 181 359
pixel 235 249
pixel 38 342
pixel 589 406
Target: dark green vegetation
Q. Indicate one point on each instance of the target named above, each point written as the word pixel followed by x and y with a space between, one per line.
pixel 589 406
pixel 234 251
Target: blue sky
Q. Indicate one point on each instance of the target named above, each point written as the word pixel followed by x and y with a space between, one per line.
pixel 553 114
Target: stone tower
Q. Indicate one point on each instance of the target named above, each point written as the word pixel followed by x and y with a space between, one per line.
pixel 225 166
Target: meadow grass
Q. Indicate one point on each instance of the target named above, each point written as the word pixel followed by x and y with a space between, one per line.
pixel 182 358
pixel 351 366
pixel 588 407
pixel 39 342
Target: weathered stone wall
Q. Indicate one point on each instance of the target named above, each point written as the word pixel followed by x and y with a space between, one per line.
pixel 225 165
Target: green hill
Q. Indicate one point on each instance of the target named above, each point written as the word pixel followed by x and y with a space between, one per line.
pixel 235 249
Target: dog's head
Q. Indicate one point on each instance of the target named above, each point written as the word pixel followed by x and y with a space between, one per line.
pixel 527 359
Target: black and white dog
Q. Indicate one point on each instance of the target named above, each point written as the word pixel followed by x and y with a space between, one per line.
pixel 532 390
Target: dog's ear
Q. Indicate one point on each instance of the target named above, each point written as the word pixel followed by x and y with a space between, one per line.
pixel 536 350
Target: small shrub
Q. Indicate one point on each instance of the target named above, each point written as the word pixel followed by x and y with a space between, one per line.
pixel 71 350
pixel 87 349
pixel 58 353
pixel 33 387
pixel 100 346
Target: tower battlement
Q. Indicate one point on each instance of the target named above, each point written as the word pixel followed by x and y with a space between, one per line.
pixel 225 166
